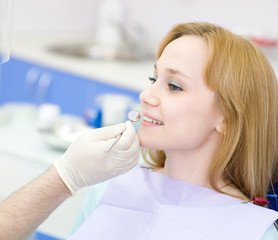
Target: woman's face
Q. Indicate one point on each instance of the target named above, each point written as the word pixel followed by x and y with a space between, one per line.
pixel 179 110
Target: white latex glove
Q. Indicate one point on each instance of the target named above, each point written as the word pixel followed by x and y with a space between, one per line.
pixel 86 163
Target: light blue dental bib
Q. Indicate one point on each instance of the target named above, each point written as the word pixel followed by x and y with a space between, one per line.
pixel 143 205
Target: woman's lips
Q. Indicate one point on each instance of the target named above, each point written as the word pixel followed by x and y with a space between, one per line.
pixel 149 119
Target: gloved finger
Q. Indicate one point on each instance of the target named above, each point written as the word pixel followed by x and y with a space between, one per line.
pixel 128 137
pixel 134 150
pixel 112 141
pixel 108 132
pixel 130 159
pixel 127 167
pixel 133 146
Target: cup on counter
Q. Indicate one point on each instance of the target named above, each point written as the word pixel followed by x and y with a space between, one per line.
pixel 18 113
pixel 114 108
pixel 47 112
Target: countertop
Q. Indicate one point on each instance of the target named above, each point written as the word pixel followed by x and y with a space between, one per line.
pixel 20 137
pixel 128 74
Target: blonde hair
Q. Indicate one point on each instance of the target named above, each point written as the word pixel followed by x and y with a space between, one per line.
pixel 246 94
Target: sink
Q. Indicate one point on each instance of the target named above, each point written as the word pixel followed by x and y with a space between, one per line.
pixel 98 52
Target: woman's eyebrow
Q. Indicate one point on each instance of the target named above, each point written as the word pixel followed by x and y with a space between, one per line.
pixel 173 71
pixel 176 72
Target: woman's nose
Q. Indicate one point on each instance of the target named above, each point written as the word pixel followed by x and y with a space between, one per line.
pixel 149 96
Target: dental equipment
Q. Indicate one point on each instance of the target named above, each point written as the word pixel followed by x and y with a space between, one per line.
pixel 133 116
pixel 6 17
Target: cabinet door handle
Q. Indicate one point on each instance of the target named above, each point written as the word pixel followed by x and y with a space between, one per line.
pixel 31 78
pixel 44 83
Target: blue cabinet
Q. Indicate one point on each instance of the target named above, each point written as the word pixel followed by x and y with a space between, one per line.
pixel 23 81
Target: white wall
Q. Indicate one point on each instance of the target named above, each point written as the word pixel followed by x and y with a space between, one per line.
pixel 156 16
pixel 53 15
pixel 247 16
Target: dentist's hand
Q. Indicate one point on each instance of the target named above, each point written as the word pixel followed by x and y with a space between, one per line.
pixel 86 163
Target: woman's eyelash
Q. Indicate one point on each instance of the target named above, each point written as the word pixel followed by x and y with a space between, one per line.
pixel 153 78
pixel 175 86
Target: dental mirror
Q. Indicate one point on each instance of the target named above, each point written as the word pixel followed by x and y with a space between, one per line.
pixel 133 116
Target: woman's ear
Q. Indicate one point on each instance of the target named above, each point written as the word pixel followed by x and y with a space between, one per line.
pixel 220 127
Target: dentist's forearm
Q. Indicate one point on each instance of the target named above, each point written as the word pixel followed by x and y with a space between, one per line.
pixel 26 209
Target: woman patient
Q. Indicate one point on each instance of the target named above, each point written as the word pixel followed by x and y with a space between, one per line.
pixel 209 135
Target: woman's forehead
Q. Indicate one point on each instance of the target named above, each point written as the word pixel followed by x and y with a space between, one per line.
pixel 186 54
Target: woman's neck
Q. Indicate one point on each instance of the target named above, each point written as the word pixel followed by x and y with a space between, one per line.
pixel 188 168
pixel 195 170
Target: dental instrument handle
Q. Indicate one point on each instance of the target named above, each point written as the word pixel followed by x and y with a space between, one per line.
pixel 133 116
pixel 113 143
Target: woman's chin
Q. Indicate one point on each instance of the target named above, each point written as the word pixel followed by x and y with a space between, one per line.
pixel 143 144
pixel 143 140
pixel 147 144
pixel 147 141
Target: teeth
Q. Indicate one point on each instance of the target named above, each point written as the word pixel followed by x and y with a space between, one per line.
pixel 152 121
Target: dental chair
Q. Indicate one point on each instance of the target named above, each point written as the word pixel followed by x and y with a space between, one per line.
pixel 272 197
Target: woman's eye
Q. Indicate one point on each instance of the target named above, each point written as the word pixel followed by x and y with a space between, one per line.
pixel 153 78
pixel 174 86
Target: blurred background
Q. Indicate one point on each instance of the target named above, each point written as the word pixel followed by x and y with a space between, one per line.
pixel 79 64
pixel 153 17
